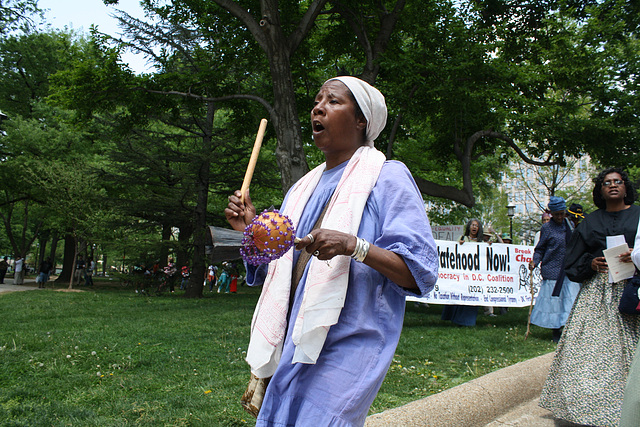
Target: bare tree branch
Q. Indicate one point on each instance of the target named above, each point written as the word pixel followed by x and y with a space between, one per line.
pixel 305 24
pixel 247 19
pixel 259 99
pixel 511 143
pixel 448 192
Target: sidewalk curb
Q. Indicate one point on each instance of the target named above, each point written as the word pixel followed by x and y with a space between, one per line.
pixel 475 403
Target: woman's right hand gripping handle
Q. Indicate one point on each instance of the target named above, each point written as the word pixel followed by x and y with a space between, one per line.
pixel 239 214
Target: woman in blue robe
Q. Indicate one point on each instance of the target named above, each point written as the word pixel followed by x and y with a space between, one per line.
pixel 332 380
pixel 557 293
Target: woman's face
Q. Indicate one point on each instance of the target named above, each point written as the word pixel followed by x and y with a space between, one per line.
pixel 473 228
pixel 613 188
pixel 558 216
pixel 337 132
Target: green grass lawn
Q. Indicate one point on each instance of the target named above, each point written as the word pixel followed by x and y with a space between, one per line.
pixel 111 357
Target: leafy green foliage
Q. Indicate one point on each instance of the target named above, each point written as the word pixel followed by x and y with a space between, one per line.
pixel 27 61
pixel 17 14
pixel 470 86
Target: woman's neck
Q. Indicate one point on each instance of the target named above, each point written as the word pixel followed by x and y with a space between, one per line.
pixel 338 158
pixel 616 206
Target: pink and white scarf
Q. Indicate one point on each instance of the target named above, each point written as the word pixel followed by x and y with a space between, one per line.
pixel 326 285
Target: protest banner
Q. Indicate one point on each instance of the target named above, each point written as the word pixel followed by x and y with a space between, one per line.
pixel 483 275
pixel 447 232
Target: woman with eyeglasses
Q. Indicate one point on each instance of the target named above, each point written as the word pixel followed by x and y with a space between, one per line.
pixel 588 374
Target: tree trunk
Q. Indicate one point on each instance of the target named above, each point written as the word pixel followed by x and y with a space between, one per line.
pixel 73 264
pixel 43 238
pixel 54 248
pixel 289 151
pixel 164 249
pixel 68 261
pixel 279 49
pixel 196 279
pixel 182 251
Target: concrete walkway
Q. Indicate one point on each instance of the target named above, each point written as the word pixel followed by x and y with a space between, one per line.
pixel 507 397
pixel 8 286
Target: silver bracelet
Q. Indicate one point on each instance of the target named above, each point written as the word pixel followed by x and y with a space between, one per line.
pixel 361 250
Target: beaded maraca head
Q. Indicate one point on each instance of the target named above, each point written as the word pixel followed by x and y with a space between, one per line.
pixel 268 237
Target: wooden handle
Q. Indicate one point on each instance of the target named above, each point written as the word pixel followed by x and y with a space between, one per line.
pixel 254 158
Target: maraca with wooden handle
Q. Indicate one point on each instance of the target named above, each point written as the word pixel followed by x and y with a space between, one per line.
pixel 270 234
pixel 253 159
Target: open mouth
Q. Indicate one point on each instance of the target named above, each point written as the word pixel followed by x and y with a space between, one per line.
pixel 317 126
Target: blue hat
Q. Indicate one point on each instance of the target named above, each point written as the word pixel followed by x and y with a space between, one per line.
pixel 556 204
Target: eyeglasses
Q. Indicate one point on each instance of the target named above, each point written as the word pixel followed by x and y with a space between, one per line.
pixel 615 181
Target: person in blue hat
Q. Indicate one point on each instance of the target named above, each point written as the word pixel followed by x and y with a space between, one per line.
pixel 557 293
pixel 589 370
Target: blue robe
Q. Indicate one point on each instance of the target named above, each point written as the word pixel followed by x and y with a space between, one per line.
pixel 463 315
pixel 340 387
pixel 551 311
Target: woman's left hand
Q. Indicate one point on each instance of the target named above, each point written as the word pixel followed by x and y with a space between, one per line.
pixel 326 244
pixel 626 256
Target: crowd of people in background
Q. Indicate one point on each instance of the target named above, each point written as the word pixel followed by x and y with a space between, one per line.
pixel 547 313
pixel 578 301
pixel 587 378
pixel 224 278
pixel 594 378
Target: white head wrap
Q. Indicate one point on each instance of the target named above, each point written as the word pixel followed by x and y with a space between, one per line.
pixel 371 102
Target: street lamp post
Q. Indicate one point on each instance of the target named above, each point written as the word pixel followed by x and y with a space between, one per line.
pixel 511 211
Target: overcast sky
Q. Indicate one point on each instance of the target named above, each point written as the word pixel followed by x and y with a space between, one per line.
pixel 81 14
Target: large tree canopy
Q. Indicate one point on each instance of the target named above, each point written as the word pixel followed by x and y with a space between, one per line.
pixel 464 80
pixel 470 86
pixel 17 14
pixel 36 135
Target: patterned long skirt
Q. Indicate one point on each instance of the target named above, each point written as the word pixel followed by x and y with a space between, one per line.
pixel 588 374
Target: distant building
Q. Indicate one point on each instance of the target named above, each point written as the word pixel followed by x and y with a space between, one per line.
pixel 528 187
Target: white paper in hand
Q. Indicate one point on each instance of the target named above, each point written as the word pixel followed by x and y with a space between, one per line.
pixel 618 270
